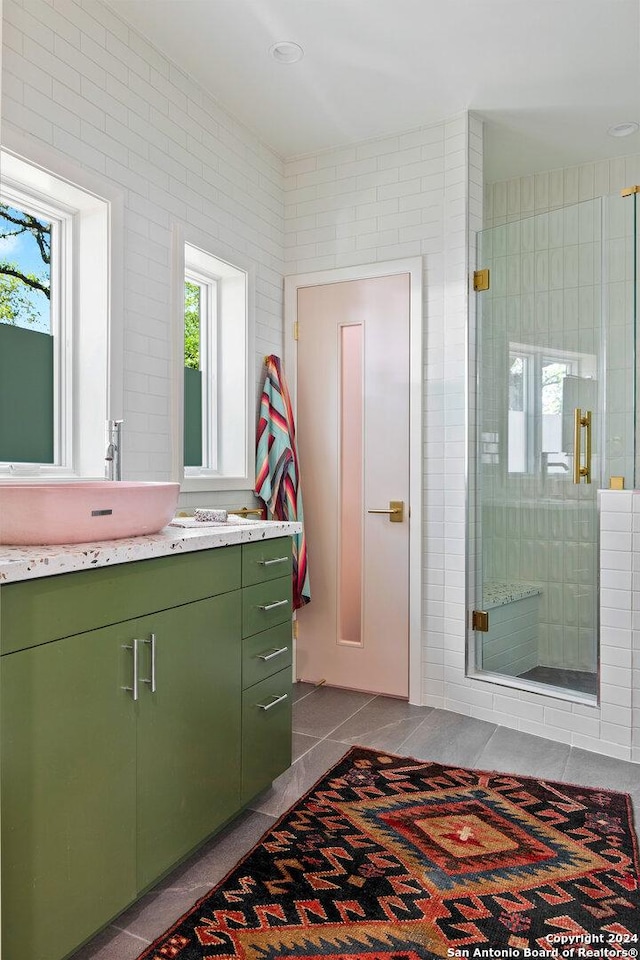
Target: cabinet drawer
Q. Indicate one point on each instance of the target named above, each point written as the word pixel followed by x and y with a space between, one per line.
pixel 266 653
pixel 36 611
pixel 266 604
pixel 265 560
pixel 266 732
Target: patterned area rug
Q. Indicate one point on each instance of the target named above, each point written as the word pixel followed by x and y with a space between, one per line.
pixel 389 858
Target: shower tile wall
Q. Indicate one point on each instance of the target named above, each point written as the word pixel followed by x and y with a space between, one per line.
pixel 506 201
pixel 555 543
pixel 540 528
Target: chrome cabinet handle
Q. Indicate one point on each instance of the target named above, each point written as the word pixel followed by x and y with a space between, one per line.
pixel 274 703
pixel 133 646
pixel 272 655
pixel 268 563
pixel 152 679
pixel 272 606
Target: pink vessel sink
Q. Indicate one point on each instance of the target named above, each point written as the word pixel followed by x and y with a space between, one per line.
pixel 44 513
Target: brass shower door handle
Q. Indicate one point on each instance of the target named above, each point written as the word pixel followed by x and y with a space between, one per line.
pixel 581 421
pixel 395 511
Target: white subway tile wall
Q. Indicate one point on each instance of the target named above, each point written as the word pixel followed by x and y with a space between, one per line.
pixel 78 79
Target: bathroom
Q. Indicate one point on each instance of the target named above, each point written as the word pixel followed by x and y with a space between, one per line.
pixel 86 95
pixel 154 174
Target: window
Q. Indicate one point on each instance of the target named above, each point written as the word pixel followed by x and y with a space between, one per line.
pixel 200 372
pixel 217 435
pixel 54 330
pixel 32 247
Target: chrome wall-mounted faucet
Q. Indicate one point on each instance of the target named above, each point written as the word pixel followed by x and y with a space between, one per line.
pixel 113 456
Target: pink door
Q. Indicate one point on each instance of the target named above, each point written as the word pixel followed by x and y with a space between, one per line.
pixel 353 439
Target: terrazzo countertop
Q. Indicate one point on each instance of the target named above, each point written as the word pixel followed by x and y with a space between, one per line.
pixel 29 563
pixel 496 593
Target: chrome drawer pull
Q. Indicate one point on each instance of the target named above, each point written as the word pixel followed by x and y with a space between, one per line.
pixel 272 606
pixel 267 563
pixel 152 679
pixel 133 646
pixel 267 706
pixel 274 653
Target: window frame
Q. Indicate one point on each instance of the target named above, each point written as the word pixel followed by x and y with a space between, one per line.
pixel 91 366
pixel 61 218
pixel 234 428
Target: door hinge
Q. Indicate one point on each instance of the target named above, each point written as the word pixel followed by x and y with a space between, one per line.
pixel 296 330
pixel 480 621
pixel 629 191
pixel 294 629
pixel 481 280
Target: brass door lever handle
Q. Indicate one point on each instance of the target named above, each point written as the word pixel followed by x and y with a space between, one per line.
pixel 395 511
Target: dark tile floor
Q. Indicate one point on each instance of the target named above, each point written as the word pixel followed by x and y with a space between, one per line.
pixel 326 722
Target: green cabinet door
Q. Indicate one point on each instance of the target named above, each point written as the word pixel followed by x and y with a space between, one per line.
pixel 68 793
pixel 188 732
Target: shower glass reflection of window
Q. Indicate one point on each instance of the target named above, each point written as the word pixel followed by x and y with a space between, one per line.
pixel 553 458
pixel 519 443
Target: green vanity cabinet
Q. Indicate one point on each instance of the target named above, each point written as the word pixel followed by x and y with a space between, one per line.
pixel 188 731
pixel 68 793
pixel 110 774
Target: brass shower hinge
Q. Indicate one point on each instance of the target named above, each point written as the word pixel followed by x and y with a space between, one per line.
pixel 481 280
pixel 629 191
pixel 480 621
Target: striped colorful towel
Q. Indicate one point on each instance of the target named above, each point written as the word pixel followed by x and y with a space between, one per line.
pixel 277 471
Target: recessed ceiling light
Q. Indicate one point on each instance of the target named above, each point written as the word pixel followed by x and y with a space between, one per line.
pixel 286 51
pixel 623 129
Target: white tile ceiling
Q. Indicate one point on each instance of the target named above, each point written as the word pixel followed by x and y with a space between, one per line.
pixel 549 76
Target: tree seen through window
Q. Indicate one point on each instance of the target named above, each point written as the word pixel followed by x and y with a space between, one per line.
pixel 192 309
pixel 25 269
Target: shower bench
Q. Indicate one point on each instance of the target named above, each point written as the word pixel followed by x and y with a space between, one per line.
pixel 511 645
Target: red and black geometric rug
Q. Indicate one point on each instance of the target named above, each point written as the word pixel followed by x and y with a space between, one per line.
pixel 390 858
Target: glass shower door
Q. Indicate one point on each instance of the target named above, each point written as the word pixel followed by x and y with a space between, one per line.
pixel 546 425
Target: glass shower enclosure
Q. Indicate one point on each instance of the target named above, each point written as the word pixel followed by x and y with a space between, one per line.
pixel 554 410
